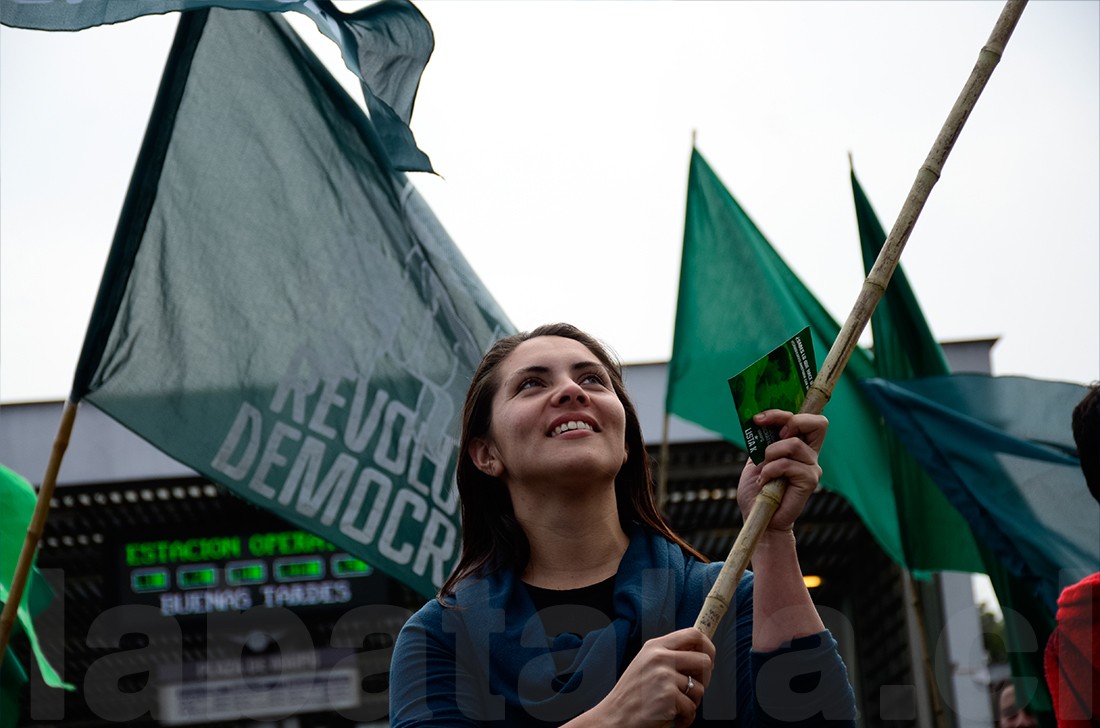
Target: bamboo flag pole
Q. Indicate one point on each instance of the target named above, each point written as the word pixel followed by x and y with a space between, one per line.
pixel 37 524
pixel 717 602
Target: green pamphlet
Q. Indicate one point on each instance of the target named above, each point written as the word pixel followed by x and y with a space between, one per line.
pixel 779 380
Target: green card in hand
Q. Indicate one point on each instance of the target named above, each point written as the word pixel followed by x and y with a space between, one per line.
pixel 779 380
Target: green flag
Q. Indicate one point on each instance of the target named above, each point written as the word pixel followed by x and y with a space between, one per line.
pixel 738 300
pixel 19 499
pixel 386 44
pixel 280 310
pixel 905 348
pixel 934 535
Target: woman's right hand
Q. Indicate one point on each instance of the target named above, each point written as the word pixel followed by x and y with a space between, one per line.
pixel 653 689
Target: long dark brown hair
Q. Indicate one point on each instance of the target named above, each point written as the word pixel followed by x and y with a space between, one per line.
pixel 492 538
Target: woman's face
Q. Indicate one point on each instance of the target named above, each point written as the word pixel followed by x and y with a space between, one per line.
pixel 555 418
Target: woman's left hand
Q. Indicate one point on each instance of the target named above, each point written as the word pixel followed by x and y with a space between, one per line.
pixel 794 457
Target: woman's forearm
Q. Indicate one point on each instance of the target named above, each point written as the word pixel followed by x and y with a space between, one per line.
pixel 782 608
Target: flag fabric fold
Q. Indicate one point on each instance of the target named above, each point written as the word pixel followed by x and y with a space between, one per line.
pixel 390 42
pixel 1002 446
pixel 281 311
pixel 386 44
pixel 737 301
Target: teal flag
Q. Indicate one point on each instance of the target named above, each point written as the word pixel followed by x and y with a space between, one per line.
pixel 738 300
pixel 281 311
pixel 934 535
pixel 18 498
pixel 386 44
pixel 1003 448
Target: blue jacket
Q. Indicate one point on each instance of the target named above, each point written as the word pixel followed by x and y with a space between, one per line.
pixel 485 659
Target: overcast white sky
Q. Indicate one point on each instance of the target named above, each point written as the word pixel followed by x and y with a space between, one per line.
pixel 562 131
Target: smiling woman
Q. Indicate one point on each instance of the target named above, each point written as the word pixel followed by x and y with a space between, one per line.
pixel 572 601
pixel 492 534
pixel 555 409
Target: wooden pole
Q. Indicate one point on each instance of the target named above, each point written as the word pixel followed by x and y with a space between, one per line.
pixel 717 602
pixel 662 474
pixel 37 524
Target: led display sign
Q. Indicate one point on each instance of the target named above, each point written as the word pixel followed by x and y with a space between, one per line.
pixel 202 574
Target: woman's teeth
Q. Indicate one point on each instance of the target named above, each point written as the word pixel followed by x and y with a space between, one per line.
pixel 571 425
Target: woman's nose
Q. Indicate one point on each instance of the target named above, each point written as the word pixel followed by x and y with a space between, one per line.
pixel 570 390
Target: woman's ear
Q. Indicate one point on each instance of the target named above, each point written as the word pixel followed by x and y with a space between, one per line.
pixel 485 458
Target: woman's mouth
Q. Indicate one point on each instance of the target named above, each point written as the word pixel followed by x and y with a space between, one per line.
pixel 571 425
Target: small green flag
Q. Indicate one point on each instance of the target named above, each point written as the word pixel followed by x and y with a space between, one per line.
pixel 281 311
pixel 934 535
pixel 738 300
pixel 18 497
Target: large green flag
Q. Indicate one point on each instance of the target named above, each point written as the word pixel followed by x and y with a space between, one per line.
pixel 934 535
pixel 280 310
pixel 18 498
pixel 905 348
pixel 738 300
pixel 386 44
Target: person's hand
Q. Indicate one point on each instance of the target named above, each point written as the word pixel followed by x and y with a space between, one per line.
pixel 653 689
pixel 794 456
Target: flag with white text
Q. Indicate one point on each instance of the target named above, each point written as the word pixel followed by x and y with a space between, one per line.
pixel 281 311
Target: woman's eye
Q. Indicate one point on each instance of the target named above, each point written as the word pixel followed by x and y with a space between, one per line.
pixel 592 378
pixel 528 384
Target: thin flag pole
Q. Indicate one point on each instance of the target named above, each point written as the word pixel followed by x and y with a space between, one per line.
pixel 766 503
pixel 662 473
pixel 916 601
pixel 37 524
pixel 124 246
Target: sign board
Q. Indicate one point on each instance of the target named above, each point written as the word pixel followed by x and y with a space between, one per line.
pixel 263 686
pixel 193 574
